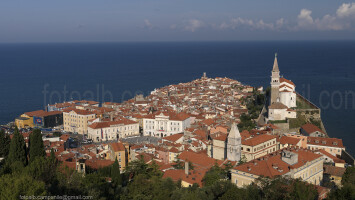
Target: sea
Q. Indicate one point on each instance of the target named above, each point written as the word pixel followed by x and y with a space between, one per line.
pixel 35 75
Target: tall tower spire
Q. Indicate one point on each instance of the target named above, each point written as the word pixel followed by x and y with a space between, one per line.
pixel 275 81
pixel 275 68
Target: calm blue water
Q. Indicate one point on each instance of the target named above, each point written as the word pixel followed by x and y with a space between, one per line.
pixel 322 71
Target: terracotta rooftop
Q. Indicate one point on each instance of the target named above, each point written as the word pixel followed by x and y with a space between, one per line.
pixel 272 165
pixel 258 140
pixel 331 142
pixel 287 81
pixel 78 111
pixel 194 176
pixel 334 171
pixel 173 138
pixel 117 146
pixel 289 140
pixel 310 128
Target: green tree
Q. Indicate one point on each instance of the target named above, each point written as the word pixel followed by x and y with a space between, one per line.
pixel 4 144
pixel 242 160
pixel 52 157
pixel 303 190
pixel 347 191
pixel 349 176
pixel 116 174
pixel 42 168
pixel 12 186
pixel 17 150
pixel 95 186
pixel 178 164
pixel 213 175
pixel 36 145
pixel 136 167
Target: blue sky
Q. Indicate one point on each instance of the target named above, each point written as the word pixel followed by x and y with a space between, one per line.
pixel 178 20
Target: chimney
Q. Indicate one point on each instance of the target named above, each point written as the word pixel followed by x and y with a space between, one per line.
pixel 186 168
pixel 111 117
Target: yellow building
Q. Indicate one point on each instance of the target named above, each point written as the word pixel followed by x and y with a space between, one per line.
pixel 334 174
pixel 118 150
pixel 258 146
pixel 76 121
pixel 293 163
pixel 24 122
pixel 26 119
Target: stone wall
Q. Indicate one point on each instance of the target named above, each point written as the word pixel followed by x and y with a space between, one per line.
pixel 311 114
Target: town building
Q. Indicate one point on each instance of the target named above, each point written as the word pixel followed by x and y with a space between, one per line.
pixel 312 130
pixel 258 146
pixel 291 162
pixel 334 174
pixel 118 151
pixel 39 119
pixel 333 146
pixel 112 130
pixel 76 120
pixel 165 124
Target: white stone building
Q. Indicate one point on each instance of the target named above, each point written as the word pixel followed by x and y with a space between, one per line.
pixel 165 124
pixel 113 130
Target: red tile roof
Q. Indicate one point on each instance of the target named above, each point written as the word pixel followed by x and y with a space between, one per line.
pixel 334 158
pixel 258 140
pixel 272 165
pixel 105 124
pixel 117 146
pixel 331 142
pixel 173 138
pixel 221 137
pixel 289 140
pixel 287 81
pixel 334 171
pixel 310 128
pixel 199 160
pixel 194 176
pixel 35 113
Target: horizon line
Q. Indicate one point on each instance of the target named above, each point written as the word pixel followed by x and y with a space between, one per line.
pixel 182 41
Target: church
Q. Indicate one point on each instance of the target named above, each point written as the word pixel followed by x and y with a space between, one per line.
pixel 282 96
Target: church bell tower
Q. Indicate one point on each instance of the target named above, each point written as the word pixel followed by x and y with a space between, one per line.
pixel 275 82
pixel 234 144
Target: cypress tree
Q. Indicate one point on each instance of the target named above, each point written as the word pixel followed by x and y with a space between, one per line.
pixel 36 145
pixel 115 173
pixel 4 144
pixel 17 150
pixel 52 157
